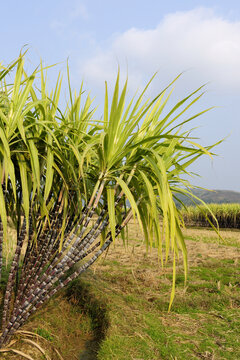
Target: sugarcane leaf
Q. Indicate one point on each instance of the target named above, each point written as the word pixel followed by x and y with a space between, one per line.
pixel 34 162
pixel 18 352
pixel 49 170
pixel 130 197
pixel 3 212
pixel 111 210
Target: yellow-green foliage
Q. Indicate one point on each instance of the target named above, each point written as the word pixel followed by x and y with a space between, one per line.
pixel 227 215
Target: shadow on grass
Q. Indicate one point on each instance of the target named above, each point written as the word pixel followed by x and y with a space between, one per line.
pixel 79 294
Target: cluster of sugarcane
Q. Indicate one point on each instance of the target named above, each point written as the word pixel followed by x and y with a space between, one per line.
pixel 43 265
pixel 225 215
pixel 70 183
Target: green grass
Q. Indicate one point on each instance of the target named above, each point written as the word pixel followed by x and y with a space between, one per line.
pixel 204 322
pixel 44 333
pixel 213 240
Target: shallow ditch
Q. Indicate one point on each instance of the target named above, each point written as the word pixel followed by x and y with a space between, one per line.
pixel 80 294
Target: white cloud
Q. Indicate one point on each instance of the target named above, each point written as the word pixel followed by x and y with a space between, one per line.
pixel 196 40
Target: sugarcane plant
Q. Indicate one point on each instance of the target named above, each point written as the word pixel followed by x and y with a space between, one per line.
pixel 70 182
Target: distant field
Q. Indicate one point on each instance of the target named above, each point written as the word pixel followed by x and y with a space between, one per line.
pixel 227 215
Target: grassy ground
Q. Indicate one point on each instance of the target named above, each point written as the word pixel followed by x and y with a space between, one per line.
pixel 124 299
pixel 205 319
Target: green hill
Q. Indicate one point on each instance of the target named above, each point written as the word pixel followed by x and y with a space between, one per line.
pixel 212 197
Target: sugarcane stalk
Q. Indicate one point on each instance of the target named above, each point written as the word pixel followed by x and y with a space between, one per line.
pixel 12 274
pixel 32 304
pixel 36 289
pixel 35 256
pixel 77 253
pixel 1 248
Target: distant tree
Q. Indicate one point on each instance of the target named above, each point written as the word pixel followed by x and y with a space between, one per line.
pixel 70 182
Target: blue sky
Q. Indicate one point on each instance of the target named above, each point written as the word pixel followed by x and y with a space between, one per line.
pixel 201 38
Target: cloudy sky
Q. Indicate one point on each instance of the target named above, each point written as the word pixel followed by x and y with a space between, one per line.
pixel 201 38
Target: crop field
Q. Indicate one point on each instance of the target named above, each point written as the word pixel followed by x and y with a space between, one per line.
pixel 227 215
pixel 118 310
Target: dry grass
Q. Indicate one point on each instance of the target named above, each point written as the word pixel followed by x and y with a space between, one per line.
pixel 62 326
pixel 199 241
